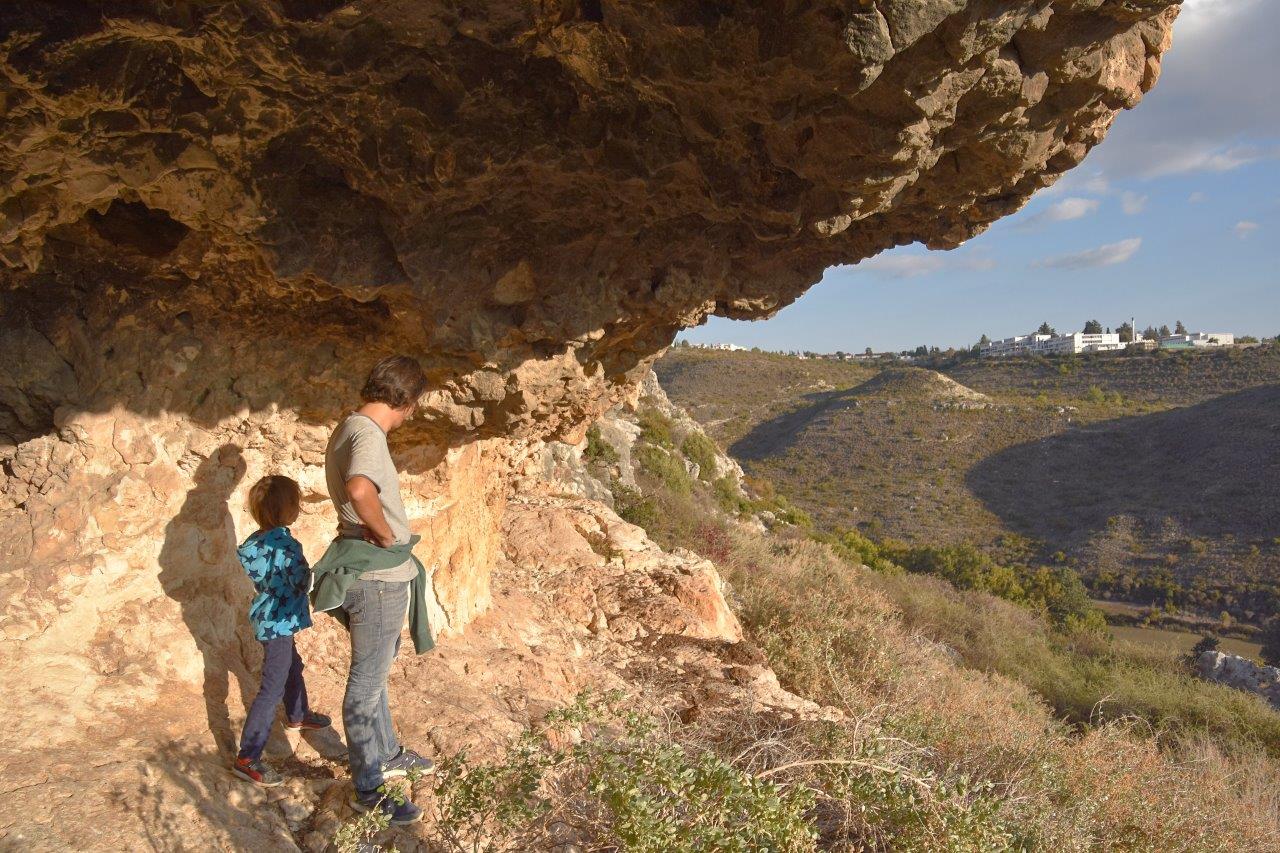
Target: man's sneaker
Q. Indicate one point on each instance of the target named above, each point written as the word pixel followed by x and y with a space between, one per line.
pixel 256 772
pixel 406 761
pixel 311 721
pixel 400 814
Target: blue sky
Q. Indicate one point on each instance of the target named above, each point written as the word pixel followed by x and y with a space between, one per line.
pixel 1176 216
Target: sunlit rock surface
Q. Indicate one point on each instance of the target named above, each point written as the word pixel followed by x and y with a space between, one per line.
pixel 214 216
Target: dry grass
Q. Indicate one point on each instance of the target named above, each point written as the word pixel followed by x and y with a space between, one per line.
pixel 990 765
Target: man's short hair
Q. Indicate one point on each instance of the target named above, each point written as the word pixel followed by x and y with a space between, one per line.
pixel 397 380
pixel 274 501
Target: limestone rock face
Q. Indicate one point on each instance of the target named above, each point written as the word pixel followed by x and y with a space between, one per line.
pixel 533 197
pixel 1242 674
pixel 214 216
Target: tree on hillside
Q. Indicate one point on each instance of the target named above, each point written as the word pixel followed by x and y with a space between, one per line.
pixel 1126 333
pixel 1046 329
pixel 922 350
pixel 1164 332
pixel 1093 327
pixel 984 341
pixel 868 351
pixel 1270 639
pixel 1150 334
pixel 1179 329
pixel 1208 643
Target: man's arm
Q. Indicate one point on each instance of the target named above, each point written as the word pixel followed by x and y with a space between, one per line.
pixel 364 497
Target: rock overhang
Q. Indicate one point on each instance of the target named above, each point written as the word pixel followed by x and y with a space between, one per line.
pixel 533 198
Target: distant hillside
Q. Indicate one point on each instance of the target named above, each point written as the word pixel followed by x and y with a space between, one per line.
pixel 1167 378
pixel 730 392
pixel 1155 476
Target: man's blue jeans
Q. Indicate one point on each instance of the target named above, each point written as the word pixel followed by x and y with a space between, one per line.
pixel 281 679
pixel 376 611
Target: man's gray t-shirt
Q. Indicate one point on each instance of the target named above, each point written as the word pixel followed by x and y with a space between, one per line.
pixel 358 448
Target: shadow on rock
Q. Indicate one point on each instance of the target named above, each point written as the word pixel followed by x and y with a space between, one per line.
pixel 200 571
pixel 187 799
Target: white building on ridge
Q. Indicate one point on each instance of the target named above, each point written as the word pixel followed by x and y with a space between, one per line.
pixel 1072 344
pixel 1196 340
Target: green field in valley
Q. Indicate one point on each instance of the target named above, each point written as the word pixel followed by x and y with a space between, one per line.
pixel 1181 641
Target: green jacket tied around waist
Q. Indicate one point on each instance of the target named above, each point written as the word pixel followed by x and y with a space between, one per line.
pixel 347 559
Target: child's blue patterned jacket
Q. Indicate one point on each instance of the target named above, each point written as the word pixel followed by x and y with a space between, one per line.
pixel 279 571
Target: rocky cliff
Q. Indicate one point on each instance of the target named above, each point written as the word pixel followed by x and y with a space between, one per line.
pixel 215 216
pixel 1240 673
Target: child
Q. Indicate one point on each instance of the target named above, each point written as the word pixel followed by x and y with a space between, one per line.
pixel 279 571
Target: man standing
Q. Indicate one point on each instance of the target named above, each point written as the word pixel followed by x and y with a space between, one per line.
pixel 369 579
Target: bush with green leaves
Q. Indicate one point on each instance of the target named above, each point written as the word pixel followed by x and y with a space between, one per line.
pixel 598 450
pixel 665 467
pixel 632 506
pixel 357 834
pixel 1056 592
pixel 701 451
pixel 729 497
pixel 1207 643
pixel 1270 639
pixel 655 427
pixel 621 782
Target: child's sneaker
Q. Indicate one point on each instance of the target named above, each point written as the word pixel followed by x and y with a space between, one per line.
pixel 400 814
pixel 312 720
pixel 407 760
pixel 256 772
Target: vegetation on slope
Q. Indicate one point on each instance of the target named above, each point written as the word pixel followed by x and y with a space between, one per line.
pixel 965 722
pixel 1083 460
pixel 1050 736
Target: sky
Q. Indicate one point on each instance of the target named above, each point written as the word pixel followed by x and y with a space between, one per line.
pixel 1175 216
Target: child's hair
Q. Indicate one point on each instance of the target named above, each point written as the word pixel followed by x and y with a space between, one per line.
pixel 274 501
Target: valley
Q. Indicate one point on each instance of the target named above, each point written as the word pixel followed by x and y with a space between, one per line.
pixel 1152 476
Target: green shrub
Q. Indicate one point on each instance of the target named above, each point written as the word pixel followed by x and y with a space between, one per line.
pixel 625 785
pixel 634 507
pixel 784 510
pixel 655 427
pixel 852 547
pixel 701 451
pixel 598 450
pixel 664 467
pixel 1056 592
pixel 729 497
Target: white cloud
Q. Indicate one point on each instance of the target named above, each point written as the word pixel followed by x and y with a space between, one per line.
pixel 1070 208
pixel 1063 211
pixel 1103 256
pixel 1097 184
pixel 1132 203
pixel 1217 105
pixel 1171 159
pixel 1244 228
pixel 911 266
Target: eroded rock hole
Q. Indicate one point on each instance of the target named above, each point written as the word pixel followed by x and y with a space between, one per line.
pixel 308 10
pixel 133 225
pixel 591 10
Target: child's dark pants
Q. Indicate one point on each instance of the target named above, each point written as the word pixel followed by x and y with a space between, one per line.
pixel 281 679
